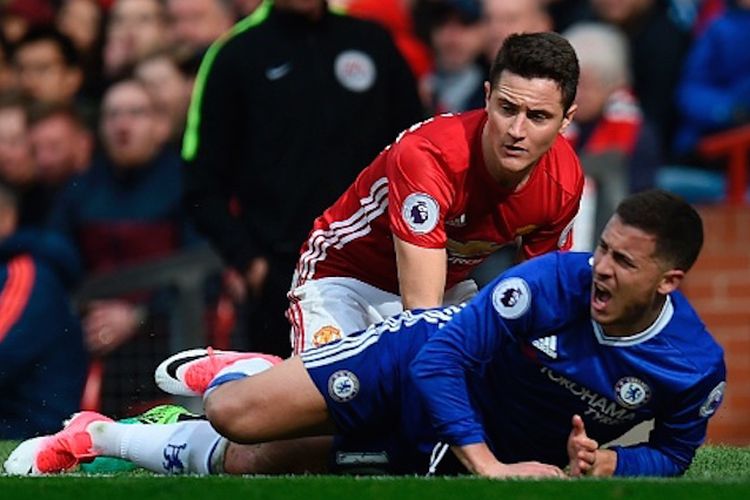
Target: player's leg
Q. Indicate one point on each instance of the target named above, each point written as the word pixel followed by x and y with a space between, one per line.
pixel 188 447
pixel 309 455
pixel 279 403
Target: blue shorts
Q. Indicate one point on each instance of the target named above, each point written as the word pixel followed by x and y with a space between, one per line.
pixel 365 382
pixel 361 379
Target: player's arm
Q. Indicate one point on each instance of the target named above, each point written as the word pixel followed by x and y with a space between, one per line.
pixel 462 348
pixel 440 371
pixel 676 435
pixel 671 445
pixel 479 459
pixel 419 195
pixel 421 274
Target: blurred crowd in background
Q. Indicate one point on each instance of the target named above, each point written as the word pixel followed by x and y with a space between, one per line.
pixel 94 98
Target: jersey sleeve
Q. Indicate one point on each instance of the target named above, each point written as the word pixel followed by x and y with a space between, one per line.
pixel 504 311
pixel 558 234
pixel 676 436
pixel 43 322
pixel 419 192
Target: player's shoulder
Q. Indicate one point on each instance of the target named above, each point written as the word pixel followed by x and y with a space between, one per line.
pixel 568 265
pixel 452 136
pixel 561 281
pixel 562 166
pixel 687 334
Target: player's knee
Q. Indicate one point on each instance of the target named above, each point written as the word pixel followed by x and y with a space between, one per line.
pixel 222 411
pixel 231 416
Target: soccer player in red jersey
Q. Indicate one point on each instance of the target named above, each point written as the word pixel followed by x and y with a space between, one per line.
pixel 444 196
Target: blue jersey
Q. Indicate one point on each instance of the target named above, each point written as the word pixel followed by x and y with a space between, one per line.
pixel 512 368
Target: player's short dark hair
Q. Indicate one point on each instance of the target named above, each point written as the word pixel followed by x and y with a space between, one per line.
pixel 677 226
pixel 48 34
pixel 539 55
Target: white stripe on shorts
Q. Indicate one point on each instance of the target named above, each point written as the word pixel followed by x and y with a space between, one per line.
pixel 354 344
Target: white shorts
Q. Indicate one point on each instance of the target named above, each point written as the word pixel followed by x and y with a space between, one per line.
pixel 326 309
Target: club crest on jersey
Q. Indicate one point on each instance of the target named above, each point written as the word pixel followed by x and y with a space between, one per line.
pixel 420 211
pixel 325 335
pixel 632 392
pixel 511 298
pixel 355 70
pixel 343 386
pixel 713 401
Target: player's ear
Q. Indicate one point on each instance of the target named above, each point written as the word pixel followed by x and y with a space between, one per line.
pixel 568 118
pixel 670 281
pixel 487 91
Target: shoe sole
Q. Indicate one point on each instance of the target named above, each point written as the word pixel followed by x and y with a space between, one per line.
pixel 21 460
pixel 165 374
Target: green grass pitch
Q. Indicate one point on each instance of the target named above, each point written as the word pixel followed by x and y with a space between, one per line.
pixel 717 472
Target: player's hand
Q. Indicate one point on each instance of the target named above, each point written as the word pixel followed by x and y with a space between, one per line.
pixel 523 469
pixel 582 450
pixel 108 324
pixel 479 459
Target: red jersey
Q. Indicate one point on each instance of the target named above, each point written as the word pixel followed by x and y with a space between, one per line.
pixel 432 189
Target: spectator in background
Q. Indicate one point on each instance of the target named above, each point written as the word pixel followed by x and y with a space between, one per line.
pixel 565 13
pixel 457 37
pixel 714 92
pixel 196 24
pixel 395 16
pixel 17 167
pixel 7 73
pixel 19 16
pixel 126 209
pixel 48 66
pixel 657 46
pixel 136 28
pixel 83 22
pixel 39 335
pixel 505 17
pixel 61 144
pixel 170 84
pixel 16 163
pixel 619 149
pixel 288 110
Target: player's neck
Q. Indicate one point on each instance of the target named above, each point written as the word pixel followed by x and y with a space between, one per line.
pixel 638 325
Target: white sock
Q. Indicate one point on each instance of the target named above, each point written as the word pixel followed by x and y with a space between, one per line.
pixel 238 370
pixel 191 447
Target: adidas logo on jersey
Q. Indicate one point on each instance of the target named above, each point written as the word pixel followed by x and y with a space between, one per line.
pixel 548 345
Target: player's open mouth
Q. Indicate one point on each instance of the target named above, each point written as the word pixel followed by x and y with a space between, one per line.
pixel 514 150
pixel 600 297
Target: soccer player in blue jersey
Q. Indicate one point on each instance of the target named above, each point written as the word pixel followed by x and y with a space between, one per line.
pixel 561 353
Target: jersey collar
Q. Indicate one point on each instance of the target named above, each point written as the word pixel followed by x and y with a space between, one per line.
pixel 665 316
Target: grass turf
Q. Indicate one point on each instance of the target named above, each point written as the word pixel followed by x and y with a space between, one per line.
pixel 717 472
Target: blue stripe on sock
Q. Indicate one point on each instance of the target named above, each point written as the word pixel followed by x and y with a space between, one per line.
pixel 227 377
pixel 211 455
